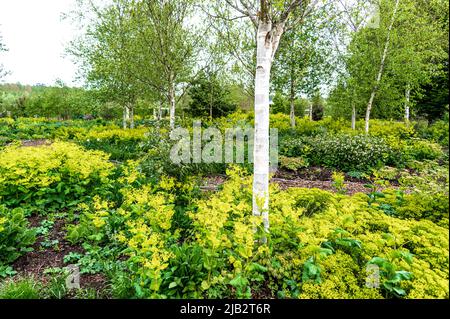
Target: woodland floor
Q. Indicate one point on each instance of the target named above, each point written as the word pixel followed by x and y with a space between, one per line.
pixel 42 257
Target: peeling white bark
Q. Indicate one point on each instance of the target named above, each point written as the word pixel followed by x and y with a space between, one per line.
pixel 268 37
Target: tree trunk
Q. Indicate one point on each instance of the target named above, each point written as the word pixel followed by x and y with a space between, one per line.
pixel 160 106
pixel 292 100
pixel 126 116
pixel 407 98
pixel 172 105
pixel 380 71
pixel 131 108
pixel 353 117
pixel 268 38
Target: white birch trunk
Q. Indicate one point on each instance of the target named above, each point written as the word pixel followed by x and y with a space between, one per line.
pixel 380 71
pixel 407 109
pixel 125 117
pixel 292 114
pixel 268 38
pixel 353 117
pixel 172 105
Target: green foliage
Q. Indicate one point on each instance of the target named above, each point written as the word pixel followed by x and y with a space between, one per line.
pixel 437 132
pixel 313 201
pixel 55 176
pixel 55 287
pixel 392 278
pixel 22 288
pixel 421 150
pixel 347 152
pixel 15 235
pixel 339 182
pixel 7 271
pixel 121 144
pixel 185 273
pixel 210 98
pixel 293 163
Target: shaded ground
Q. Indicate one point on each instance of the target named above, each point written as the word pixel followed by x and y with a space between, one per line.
pixel 309 178
pixel 39 142
pixel 41 258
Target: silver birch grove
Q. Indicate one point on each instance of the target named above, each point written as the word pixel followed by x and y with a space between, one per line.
pixel 381 69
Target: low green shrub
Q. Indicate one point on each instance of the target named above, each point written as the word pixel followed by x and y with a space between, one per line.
pixel 348 152
pixel 293 163
pixel 23 288
pixel 16 237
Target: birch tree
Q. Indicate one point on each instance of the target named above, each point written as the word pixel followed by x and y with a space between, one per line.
pixel 381 66
pixel 302 63
pixel 271 19
pixel 415 51
pixel 351 18
pixel 105 53
pixel 164 34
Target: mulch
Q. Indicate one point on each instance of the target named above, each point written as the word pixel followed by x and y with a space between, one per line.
pixel 38 142
pixel 313 177
pixel 35 263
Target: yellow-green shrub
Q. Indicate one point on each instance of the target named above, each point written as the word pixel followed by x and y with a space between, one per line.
pixel 224 223
pixel 52 175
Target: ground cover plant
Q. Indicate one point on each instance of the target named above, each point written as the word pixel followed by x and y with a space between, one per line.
pixel 140 229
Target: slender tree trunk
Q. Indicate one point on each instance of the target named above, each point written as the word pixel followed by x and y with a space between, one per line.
pixel 131 108
pixel 292 100
pixel 380 71
pixel 407 98
pixel 172 105
pixel 353 116
pixel 126 116
pixel 159 114
pixel 268 38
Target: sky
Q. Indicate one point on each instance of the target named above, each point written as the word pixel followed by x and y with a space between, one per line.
pixel 36 38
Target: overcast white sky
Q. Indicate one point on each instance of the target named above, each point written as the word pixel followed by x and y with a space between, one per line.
pixel 36 36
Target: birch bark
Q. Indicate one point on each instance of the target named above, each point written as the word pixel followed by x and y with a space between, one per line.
pixel 268 38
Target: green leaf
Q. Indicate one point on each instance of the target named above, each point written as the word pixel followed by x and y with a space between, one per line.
pixel 173 284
